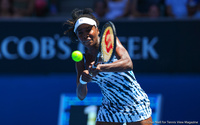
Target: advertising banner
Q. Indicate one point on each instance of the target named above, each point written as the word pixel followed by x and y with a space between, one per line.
pixel 154 46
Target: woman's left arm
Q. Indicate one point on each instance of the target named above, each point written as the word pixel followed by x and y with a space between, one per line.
pixel 124 62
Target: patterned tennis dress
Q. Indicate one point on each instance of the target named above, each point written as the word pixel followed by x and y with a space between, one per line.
pixel 123 98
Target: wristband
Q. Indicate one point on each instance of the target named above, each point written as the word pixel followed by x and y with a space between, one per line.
pixel 81 81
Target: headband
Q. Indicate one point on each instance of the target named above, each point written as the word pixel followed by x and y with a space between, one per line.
pixel 84 20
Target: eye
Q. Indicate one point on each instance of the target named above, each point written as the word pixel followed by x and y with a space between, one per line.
pixel 89 28
pixel 79 32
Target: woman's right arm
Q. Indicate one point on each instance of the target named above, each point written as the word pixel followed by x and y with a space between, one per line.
pixel 81 89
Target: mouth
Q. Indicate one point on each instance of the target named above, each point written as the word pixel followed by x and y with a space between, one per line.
pixel 87 42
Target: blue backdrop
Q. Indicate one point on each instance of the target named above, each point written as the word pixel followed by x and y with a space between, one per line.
pixel 34 99
pixel 165 54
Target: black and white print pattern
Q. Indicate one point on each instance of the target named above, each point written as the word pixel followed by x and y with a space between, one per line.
pixel 123 98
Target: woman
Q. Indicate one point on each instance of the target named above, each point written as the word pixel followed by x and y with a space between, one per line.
pixel 23 8
pixel 100 9
pixel 6 10
pixel 123 99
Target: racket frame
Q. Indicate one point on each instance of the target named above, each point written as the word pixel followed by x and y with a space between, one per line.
pixel 99 55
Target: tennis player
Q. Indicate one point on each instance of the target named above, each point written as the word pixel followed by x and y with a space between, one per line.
pixel 124 101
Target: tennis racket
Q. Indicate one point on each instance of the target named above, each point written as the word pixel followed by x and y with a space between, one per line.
pixel 107 45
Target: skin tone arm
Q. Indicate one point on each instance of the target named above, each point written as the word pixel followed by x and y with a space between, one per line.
pixel 124 62
pixel 81 89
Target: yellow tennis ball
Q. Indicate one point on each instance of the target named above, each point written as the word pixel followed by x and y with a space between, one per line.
pixel 77 56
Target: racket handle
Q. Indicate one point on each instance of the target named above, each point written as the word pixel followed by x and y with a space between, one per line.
pixel 97 60
pixel 94 66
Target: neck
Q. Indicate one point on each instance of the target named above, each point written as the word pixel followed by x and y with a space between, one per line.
pixel 93 51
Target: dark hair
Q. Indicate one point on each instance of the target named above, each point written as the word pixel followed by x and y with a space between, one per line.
pixel 76 14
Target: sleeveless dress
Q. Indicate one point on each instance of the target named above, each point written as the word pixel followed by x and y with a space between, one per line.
pixel 123 98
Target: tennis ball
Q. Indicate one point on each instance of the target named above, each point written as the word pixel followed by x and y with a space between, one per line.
pixel 77 56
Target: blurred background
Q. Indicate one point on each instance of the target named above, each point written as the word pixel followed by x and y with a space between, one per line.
pixel 161 36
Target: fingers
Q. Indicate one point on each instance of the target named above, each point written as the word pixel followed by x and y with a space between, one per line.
pixel 91 65
pixel 86 76
pixel 94 71
pixel 91 72
pixel 91 68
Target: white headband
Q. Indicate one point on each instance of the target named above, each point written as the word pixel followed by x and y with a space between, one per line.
pixel 84 20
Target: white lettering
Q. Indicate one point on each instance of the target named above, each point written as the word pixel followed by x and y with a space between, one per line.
pixel 66 49
pixel 56 46
pixel 21 48
pixel 148 48
pixel 4 47
pixel 47 48
pixel 132 47
pixel 171 122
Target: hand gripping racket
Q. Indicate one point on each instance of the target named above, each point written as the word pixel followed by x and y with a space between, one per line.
pixel 107 44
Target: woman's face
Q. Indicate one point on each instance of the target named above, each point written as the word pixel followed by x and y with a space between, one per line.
pixel 88 35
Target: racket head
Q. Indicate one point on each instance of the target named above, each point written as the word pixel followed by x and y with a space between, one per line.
pixel 107 42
